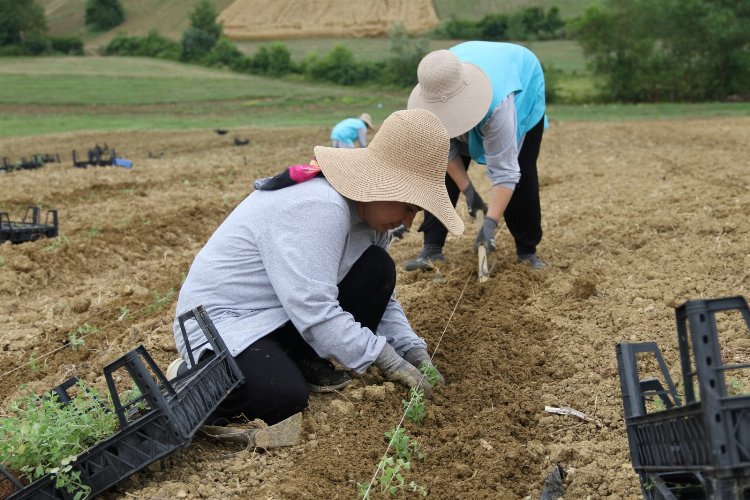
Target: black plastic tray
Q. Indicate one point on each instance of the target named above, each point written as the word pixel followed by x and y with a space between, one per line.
pixel 699 448
pixel 176 409
pixel 30 228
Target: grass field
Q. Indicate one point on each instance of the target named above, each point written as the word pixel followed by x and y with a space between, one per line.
pixel 46 95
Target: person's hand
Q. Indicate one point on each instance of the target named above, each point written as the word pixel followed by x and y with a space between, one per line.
pixel 486 235
pixel 397 369
pixel 419 357
pixel 474 201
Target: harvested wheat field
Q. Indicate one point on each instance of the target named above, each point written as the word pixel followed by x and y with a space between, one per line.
pixel 283 19
pixel 638 218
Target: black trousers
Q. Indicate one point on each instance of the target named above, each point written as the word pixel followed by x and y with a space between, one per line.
pixel 523 215
pixel 274 387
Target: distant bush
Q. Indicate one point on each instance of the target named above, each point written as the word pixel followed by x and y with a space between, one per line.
pixel 151 45
pixel 196 44
pixel 405 54
pixel 69 45
pixel 273 60
pixel 203 34
pixel 103 15
pixel 339 66
pixel 226 54
pixel 529 23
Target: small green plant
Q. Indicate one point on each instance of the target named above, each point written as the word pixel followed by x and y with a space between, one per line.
pixel 159 301
pixel 76 337
pixel 431 374
pixel 736 387
pixel 403 445
pixel 414 407
pixel 59 242
pixel 2 261
pixel 34 363
pixel 75 342
pixel 93 232
pixel 42 436
pixel 392 479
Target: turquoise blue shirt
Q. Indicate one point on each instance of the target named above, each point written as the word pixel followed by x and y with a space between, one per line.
pixel 512 69
pixel 349 130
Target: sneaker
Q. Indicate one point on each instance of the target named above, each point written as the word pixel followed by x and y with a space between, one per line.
pixel 176 368
pixel 534 261
pixel 322 376
pixel 423 263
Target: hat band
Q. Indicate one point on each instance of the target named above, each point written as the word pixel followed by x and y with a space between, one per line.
pixel 445 97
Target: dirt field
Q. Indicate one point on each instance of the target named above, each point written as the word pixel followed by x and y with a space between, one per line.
pixel 260 20
pixel 638 217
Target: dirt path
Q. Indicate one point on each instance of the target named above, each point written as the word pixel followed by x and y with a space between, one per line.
pixel 638 217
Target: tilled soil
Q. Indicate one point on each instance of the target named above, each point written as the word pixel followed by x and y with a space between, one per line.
pixel 638 218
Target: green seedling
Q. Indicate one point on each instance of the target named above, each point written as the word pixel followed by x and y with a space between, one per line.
pixel 76 337
pixel 93 232
pixel 42 436
pixel 124 311
pixel 414 408
pixel 403 445
pixel 75 342
pixel 431 374
pixel 2 261
pixel 159 301
pixel 34 363
pixel 59 242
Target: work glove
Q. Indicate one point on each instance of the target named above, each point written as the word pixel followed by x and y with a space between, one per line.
pixel 397 369
pixel 486 235
pixel 419 357
pixel 474 201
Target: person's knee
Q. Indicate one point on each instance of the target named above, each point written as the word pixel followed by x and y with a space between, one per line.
pixel 381 266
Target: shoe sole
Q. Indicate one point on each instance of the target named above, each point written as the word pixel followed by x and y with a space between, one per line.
pixel 322 389
pixel 174 369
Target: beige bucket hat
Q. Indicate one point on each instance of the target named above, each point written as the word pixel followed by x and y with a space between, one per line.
pixel 365 117
pixel 405 161
pixel 456 92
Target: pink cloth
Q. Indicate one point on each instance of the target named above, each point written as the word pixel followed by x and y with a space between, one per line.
pixel 301 173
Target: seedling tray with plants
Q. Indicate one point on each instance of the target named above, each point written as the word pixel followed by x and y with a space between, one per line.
pixel 699 447
pixel 30 228
pixel 154 418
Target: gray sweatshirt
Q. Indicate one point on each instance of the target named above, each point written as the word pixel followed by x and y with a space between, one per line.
pixel 278 257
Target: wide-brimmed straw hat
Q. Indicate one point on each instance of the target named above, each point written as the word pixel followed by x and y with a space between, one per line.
pixel 458 93
pixel 405 161
pixel 365 117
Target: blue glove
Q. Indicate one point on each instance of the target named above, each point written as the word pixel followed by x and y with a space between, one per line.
pixel 474 201
pixel 486 235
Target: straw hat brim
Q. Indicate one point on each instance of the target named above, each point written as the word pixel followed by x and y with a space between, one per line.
pixel 463 111
pixel 359 175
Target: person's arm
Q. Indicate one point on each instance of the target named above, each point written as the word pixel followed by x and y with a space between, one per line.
pixel 301 251
pixel 362 135
pixel 501 154
pixel 394 325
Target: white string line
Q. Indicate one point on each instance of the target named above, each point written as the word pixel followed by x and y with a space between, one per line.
pixel 65 346
pixel 401 421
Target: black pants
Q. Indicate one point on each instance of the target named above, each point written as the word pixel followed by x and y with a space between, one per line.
pixel 523 215
pixel 274 387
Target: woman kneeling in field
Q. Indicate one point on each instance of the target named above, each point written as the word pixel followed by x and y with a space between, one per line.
pixel 299 274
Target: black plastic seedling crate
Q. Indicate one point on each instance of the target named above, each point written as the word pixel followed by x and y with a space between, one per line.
pixel 174 410
pixel 30 228
pixel 699 447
